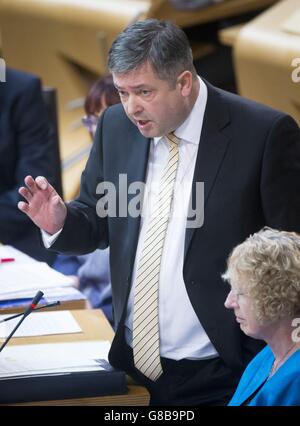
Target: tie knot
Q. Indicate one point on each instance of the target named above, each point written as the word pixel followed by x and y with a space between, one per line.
pixel 172 139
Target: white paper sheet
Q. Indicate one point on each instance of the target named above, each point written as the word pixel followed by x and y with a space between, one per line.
pixel 41 323
pixel 23 277
pixel 24 360
pixel 50 294
pixel 18 276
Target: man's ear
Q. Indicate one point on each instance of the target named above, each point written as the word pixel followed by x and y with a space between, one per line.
pixel 185 82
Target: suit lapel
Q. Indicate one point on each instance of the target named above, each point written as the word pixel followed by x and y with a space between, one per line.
pixel 211 151
pixel 137 153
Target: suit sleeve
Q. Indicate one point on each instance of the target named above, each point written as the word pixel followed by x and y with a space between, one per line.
pixel 280 180
pixel 84 231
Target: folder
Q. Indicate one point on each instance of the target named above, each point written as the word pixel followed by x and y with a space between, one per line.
pixel 62 386
pixel 55 372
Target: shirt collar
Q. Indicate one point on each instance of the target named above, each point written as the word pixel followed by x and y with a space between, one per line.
pixel 190 129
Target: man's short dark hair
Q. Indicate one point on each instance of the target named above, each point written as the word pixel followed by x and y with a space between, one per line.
pixel 160 43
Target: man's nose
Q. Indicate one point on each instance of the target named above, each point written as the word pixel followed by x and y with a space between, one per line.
pixel 133 105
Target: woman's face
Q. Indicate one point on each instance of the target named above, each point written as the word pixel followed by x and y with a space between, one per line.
pixel 241 302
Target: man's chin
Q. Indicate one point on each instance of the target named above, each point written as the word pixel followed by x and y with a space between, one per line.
pixel 148 133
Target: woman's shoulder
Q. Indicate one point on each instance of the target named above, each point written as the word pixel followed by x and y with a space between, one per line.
pixel 259 366
pixel 257 369
pixel 291 368
pixel 262 357
pixel 283 388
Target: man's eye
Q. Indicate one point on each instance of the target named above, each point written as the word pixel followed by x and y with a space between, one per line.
pixel 146 92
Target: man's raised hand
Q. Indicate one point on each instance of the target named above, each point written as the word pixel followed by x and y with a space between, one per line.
pixel 43 204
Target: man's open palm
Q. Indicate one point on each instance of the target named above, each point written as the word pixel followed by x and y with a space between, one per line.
pixel 43 204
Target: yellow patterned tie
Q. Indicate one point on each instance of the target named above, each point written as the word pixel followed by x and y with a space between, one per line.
pixel 145 317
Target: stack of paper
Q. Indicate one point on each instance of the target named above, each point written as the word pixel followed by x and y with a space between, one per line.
pixel 22 277
pixel 40 324
pixel 54 371
pixel 49 358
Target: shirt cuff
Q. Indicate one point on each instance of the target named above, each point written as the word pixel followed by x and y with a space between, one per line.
pixel 49 239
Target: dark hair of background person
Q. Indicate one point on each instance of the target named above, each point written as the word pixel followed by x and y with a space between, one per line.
pixel 102 94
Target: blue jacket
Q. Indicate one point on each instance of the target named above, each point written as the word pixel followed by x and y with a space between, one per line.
pixel 282 389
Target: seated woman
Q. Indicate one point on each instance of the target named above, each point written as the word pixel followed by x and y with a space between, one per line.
pixel 264 274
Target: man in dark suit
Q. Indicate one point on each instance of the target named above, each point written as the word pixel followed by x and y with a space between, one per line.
pixel 172 131
pixel 25 145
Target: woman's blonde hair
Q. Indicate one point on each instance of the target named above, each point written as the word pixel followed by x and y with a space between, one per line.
pixel 270 262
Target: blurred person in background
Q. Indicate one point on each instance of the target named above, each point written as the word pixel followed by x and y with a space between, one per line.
pixel 26 144
pixel 264 274
pixel 101 95
pixel 91 271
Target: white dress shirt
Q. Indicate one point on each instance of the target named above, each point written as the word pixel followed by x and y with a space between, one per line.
pixel 181 333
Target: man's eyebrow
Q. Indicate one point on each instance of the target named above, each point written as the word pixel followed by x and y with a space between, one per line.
pixel 139 86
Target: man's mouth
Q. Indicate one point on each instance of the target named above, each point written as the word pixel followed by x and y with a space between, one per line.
pixel 142 122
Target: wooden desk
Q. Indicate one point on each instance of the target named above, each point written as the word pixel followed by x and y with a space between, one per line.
pixel 64 305
pixel 95 327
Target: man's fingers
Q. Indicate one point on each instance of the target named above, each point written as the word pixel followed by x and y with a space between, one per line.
pixel 36 184
pixel 56 200
pixel 28 179
pixel 30 183
pixel 24 207
pixel 25 193
pixel 41 182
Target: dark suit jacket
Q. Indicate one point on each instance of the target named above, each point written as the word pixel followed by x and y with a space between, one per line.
pixel 249 161
pixel 26 148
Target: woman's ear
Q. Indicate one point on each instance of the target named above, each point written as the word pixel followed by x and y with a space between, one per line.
pixel 185 82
